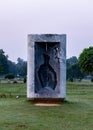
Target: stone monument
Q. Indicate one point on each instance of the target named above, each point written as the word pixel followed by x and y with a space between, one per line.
pixel 46 75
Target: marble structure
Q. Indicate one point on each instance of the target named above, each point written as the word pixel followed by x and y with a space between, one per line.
pixel 46 76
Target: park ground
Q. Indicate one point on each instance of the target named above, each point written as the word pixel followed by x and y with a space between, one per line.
pixel 75 113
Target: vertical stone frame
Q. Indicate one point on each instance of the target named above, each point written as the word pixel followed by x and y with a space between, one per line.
pixel 56 53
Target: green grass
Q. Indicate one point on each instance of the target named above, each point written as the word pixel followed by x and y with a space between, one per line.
pixel 12 90
pixel 76 113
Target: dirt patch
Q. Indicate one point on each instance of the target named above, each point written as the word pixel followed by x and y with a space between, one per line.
pixel 46 104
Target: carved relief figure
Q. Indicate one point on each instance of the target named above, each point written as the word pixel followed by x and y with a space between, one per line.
pixel 46 74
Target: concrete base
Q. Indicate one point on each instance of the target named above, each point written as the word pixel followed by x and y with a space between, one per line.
pixel 46 100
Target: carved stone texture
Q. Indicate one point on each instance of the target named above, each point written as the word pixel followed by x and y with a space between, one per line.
pixel 46 66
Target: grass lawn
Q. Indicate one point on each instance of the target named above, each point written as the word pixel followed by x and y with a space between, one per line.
pixel 76 113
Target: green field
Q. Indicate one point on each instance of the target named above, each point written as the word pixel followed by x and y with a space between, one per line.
pixel 76 113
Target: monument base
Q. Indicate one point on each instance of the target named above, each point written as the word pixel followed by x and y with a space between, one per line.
pixel 46 100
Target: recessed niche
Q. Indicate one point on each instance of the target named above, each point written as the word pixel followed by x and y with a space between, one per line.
pixel 46 66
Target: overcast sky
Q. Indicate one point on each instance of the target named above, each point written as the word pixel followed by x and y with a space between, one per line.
pixel 18 18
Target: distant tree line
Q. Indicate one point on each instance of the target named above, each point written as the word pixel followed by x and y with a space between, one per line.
pixel 81 67
pixel 19 69
pixel 75 68
pixel 8 67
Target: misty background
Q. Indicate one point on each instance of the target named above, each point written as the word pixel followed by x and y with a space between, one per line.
pixel 18 18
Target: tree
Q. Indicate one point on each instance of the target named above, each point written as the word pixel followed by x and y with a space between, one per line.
pixel 20 61
pixel 74 72
pixel 12 67
pixel 9 76
pixel 73 69
pixel 7 66
pixel 21 67
pixel 86 60
pixel 71 61
pixel 3 62
pixel 0 67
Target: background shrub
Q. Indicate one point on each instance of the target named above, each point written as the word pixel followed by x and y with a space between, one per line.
pixel 92 79
pixel 9 76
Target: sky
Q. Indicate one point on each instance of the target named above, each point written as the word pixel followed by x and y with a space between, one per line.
pixel 18 18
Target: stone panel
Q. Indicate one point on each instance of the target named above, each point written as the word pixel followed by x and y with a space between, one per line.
pixel 46 76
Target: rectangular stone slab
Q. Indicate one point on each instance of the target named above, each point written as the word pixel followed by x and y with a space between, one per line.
pixel 46 68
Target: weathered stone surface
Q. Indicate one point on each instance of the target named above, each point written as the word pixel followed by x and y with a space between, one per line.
pixel 46 76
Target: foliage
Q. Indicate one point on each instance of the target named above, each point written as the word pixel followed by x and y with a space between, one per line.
pixel 74 72
pixel 12 67
pixel 7 66
pixel 71 79
pixel 18 69
pixel 25 80
pixel 86 60
pixel 92 79
pixel 21 67
pixel 0 67
pixel 73 69
pixel 9 76
pixel 14 82
pixel 3 62
pixel 71 61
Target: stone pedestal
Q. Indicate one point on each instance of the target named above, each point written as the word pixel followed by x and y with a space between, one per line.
pixel 46 75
